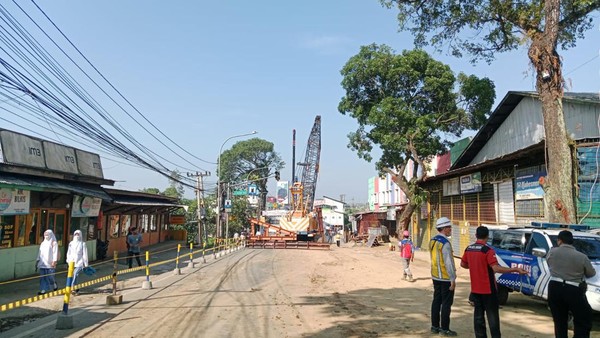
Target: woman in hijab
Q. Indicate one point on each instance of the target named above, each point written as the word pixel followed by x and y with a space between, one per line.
pixel 77 253
pixel 46 262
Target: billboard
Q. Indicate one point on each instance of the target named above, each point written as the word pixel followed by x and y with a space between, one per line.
pixel 470 183
pixel 283 192
pixel 85 206
pixel 14 201
pixel 528 186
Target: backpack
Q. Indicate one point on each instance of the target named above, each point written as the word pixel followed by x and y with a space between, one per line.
pixel 406 249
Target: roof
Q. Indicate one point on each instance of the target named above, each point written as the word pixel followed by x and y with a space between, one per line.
pixel 44 184
pixel 137 201
pixel 499 115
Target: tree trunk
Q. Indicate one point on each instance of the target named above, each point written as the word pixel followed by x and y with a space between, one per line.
pixel 558 185
pixel 405 217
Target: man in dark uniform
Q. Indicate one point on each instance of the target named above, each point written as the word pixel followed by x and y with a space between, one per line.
pixel 481 261
pixel 566 290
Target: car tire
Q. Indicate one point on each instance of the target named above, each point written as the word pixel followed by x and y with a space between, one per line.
pixel 502 295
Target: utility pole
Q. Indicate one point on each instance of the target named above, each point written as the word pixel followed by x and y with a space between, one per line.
pixel 200 204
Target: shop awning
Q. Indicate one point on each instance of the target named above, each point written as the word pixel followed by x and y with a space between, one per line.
pixel 43 184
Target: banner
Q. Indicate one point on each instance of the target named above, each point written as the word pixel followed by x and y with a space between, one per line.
pixel 283 192
pixel 470 183
pixel 85 206
pixel 528 186
pixel 14 201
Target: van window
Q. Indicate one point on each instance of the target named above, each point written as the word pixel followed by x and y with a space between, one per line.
pixel 495 237
pixel 537 241
pixel 512 241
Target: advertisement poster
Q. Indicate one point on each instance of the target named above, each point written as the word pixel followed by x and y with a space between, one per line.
pixel 451 187
pixel 470 183
pixel 85 206
pixel 14 201
pixel 528 186
pixel 282 192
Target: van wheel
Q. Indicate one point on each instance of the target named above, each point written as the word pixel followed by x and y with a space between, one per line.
pixel 502 295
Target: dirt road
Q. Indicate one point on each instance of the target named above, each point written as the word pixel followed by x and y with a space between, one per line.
pixel 345 292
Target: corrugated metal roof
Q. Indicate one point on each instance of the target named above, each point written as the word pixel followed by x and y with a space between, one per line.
pixel 43 184
pixel 502 111
pixel 144 202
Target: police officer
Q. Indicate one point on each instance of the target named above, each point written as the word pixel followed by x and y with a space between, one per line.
pixel 443 274
pixel 481 261
pixel 566 290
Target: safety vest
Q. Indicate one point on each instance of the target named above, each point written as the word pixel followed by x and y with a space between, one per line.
pixel 438 265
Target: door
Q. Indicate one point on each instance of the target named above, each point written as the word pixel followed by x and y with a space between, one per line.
pixel 505 208
pixel 56 220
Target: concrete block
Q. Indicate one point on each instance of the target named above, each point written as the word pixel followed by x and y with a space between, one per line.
pixel 114 299
pixel 64 322
pixel 191 265
pixel 177 271
pixel 146 285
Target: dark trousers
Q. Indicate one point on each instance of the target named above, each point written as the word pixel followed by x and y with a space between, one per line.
pixel 130 255
pixel 441 305
pixel 486 306
pixel 563 298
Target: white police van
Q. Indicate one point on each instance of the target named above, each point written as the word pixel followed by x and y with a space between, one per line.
pixel 526 247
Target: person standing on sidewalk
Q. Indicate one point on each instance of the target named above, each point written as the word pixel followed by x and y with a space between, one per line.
pixel 407 255
pixel 77 253
pixel 443 274
pixel 567 287
pixel 481 261
pixel 46 262
pixel 134 240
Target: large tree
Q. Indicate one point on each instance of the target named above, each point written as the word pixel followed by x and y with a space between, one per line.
pixel 250 160
pixel 405 104
pixel 482 28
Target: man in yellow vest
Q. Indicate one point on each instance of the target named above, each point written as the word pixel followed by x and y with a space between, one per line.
pixel 443 274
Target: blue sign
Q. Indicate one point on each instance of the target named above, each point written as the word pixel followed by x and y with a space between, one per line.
pixel 528 186
pixel 252 190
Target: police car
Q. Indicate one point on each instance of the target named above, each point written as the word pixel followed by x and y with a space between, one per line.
pixel 526 247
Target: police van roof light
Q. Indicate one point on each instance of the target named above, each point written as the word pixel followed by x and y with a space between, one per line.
pixel 547 225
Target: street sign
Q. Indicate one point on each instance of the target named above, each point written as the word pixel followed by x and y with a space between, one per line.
pixel 252 190
pixel 227 205
pixel 240 192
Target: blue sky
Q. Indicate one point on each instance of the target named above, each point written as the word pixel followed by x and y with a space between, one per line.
pixel 203 71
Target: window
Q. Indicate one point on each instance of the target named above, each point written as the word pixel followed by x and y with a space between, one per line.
pixel 7 231
pixel 125 224
pixel 113 224
pixel 512 241
pixel 537 241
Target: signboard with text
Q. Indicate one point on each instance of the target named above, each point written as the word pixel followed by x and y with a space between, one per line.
pixel 14 201
pixel 470 183
pixel 85 206
pixel 527 186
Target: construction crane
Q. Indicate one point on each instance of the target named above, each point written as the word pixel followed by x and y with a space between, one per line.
pixel 302 221
pixel 309 172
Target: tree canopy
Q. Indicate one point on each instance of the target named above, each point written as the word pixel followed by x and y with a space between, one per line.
pixel 483 28
pixel 406 104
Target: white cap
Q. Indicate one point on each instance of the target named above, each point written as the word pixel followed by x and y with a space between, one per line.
pixel 443 222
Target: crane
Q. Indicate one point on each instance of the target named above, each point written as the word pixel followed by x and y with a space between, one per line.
pixel 310 168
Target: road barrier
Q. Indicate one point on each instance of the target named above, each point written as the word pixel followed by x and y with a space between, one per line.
pixel 111 277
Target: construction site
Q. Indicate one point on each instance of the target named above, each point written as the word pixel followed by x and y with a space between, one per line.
pixel 300 227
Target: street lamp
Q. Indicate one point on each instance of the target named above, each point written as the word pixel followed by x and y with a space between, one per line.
pixel 219 179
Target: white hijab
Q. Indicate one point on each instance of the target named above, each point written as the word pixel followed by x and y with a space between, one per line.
pixel 48 250
pixel 77 251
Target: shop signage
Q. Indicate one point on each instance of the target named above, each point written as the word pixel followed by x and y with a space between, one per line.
pixel 177 219
pixel 451 187
pixel 470 183
pixel 85 206
pixel 29 151
pixel 14 201
pixel 528 186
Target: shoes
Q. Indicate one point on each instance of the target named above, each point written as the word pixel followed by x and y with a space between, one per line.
pixel 410 279
pixel 55 289
pixel 435 329
pixel 41 293
pixel 448 333
pixel 405 277
pixel 75 292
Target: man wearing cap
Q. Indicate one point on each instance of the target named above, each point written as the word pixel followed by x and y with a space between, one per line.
pixel 566 289
pixel 443 274
pixel 481 261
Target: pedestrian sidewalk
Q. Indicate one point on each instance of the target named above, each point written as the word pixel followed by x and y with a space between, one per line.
pixel 13 291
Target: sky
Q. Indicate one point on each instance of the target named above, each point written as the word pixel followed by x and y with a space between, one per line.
pixel 204 71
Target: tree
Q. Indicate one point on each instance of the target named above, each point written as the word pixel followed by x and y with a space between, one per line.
pixel 254 159
pixel 155 191
pixel 404 104
pixel 500 26
pixel 175 188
